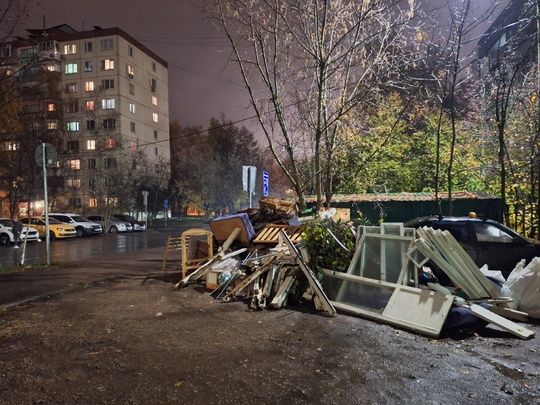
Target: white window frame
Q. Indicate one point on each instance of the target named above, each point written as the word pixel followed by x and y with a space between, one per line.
pixel 73 126
pixel 70 49
pixel 71 68
pixel 108 104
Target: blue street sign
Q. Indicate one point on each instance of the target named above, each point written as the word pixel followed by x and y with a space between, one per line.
pixel 265 184
pixel 165 203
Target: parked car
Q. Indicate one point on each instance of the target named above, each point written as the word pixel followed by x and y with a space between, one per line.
pixel 137 225
pixel 57 229
pixel 486 241
pixel 83 227
pixel 7 237
pixel 115 225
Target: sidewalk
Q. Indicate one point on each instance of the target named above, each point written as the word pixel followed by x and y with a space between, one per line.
pixel 21 286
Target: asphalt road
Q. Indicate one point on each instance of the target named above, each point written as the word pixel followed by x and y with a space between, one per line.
pixel 83 248
pixel 88 260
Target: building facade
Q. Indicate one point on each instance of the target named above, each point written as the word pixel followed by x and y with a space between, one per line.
pixel 100 98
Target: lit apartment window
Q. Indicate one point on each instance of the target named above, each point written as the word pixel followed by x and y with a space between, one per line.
pixel 73 145
pixel 91 145
pixel 72 126
pixel 92 203
pixel 154 100
pixel 90 105
pixel 52 124
pixel 153 66
pixel 132 126
pixel 72 107
pixel 109 144
pixel 108 103
pixel 72 87
pixel 70 68
pixel 107 64
pixel 88 47
pixel 74 164
pixel 107 84
pixel 75 183
pixel 132 108
pixel 51 107
pixel 130 50
pixel 155 135
pixel 106 44
pixel 70 49
pixel 89 86
pixel 50 68
pixel 155 117
pixel 133 145
pixel 91 163
pixel 130 71
pixel 131 88
pixel 89 66
pixel 109 123
pixel 90 124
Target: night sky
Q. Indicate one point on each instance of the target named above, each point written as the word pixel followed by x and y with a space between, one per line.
pixel 203 83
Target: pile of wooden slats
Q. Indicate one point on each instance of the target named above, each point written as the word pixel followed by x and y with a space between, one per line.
pixel 270 233
pixel 447 253
pixel 443 249
pixel 271 277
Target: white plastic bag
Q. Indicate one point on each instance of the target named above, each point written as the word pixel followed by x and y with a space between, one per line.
pixel 523 286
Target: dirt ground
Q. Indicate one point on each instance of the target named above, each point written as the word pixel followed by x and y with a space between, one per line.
pixel 140 341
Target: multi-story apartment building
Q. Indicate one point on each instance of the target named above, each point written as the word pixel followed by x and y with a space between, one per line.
pixel 512 36
pixel 103 105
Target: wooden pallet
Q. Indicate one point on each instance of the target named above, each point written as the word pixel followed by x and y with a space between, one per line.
pixel 270 233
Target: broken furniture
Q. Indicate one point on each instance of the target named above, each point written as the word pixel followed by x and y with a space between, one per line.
pixel 223 226
pixel 197 248
pixel 221 255
pixel 269 235
pixel 174 244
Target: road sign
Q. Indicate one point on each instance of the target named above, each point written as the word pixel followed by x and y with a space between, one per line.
pixel 50 154
pixel 265 184
pixel 165 203
pixel 145 197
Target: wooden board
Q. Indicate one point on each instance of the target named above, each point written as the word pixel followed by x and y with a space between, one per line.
pixel 270 233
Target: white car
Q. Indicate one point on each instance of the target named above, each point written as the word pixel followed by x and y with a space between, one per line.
pixel 83 226
pixel 115 225
pixel 6 235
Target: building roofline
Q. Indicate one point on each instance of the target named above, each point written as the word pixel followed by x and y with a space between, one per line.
pixel 58 33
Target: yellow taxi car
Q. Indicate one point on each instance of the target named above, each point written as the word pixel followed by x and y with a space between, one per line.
pixel 57 229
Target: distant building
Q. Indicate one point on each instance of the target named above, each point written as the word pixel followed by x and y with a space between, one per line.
pixel 103 104
pixel 514 34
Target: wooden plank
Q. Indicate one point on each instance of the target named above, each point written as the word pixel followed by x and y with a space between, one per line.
pixel 313 282
pixel 251 278
pixel 208 265
pixel 270 233
pixel 498 320
pixel 279 298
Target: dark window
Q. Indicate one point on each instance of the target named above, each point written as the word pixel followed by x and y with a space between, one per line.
pixel 73 145
pixel 109 123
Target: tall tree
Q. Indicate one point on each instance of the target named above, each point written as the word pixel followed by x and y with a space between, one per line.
pixel 307 65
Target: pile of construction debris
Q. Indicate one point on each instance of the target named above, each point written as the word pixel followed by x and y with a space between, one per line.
pixel 387 279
